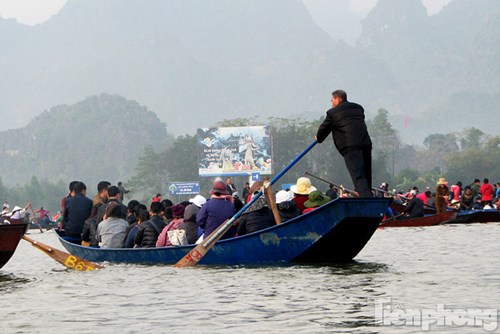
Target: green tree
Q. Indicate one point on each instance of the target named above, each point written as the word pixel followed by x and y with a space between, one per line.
pixel 150 174
pixel 472 138
pixel 386 146
pixel 182 159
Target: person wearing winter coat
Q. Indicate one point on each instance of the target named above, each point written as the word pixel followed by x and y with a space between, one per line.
pixel 257 217
pixel 346 122
pixel 178 214
pixel 111 231
pixel 148 232
pixel 189 224
pixel 286 206
pixel 216 211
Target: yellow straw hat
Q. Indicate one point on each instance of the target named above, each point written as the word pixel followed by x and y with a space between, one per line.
pixel 442 180
pixel 303 186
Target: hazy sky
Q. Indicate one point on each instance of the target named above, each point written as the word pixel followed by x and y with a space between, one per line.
pixel 37 11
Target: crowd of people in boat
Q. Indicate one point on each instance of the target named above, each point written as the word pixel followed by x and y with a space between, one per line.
pixel 475 196
pixel 104 221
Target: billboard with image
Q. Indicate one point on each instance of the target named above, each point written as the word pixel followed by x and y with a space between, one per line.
pixel 230 151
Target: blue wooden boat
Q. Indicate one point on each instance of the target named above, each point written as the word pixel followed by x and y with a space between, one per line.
pixel 335 232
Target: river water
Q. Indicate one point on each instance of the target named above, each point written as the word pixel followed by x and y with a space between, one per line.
pixel 445 279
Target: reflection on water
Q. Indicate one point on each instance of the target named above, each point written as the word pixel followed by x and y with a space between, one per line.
pixel 414 268
pixel 10 282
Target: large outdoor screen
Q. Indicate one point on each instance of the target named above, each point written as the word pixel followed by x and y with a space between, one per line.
pixel 235 151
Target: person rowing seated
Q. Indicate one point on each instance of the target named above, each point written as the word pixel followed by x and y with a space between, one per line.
pixel 415 207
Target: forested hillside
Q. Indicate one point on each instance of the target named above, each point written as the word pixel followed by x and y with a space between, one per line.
pixel 98 138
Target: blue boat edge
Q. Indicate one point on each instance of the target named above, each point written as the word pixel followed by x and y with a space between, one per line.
pixel 335 232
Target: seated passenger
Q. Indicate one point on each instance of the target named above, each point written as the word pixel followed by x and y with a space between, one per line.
pixel 415 207
pixel 189 224
pixel 467 199
pixel 111 231
pixel 178 214
pixel 257 217
pixel 148 232
pixel 90 230
pixel 142 216
pixel 316 199
pixel 216 211
pixel 302 190
pixel 286 207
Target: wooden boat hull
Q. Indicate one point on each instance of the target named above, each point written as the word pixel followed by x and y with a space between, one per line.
pixel 429 220
pixel 335 232
pixel 9 239
pixel 476 216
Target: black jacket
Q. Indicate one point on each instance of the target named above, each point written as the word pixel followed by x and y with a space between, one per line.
pixel 89 231
pixel 149 231
pixel 346 122
pixel 255 221
pixel 77 210
pixel 288 210
pixel 415 208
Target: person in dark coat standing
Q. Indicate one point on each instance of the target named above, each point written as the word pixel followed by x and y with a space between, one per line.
pixel 346 122
pixel 77 210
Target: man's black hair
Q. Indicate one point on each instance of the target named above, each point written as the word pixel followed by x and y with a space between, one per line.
pixel 156 207
pixel 103 185
pixel 113 191
pixel 79 187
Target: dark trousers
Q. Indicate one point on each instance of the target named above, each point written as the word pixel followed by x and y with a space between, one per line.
pixel 359 164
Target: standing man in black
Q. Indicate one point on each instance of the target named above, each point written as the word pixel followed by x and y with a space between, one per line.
pixel 346 121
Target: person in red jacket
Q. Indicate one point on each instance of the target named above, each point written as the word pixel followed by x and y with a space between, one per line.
pixel 486 192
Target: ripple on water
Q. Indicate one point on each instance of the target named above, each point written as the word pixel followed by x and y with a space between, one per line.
pixel 414 268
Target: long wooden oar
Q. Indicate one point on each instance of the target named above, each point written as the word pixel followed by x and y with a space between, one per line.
pixel 271 199
pixel 67 260
pixel 352 192
pixel 197 253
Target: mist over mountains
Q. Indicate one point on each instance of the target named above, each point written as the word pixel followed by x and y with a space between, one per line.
pixel 197 62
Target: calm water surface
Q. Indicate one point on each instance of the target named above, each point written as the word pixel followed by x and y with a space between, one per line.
pixel 396 283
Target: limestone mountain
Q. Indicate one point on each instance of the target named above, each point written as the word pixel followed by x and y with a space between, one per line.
pixel 197 62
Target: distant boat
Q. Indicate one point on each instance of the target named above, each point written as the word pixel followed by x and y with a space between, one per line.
pixel 476 216
pixel 335 232
pixel 9 239
pixel 427 220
